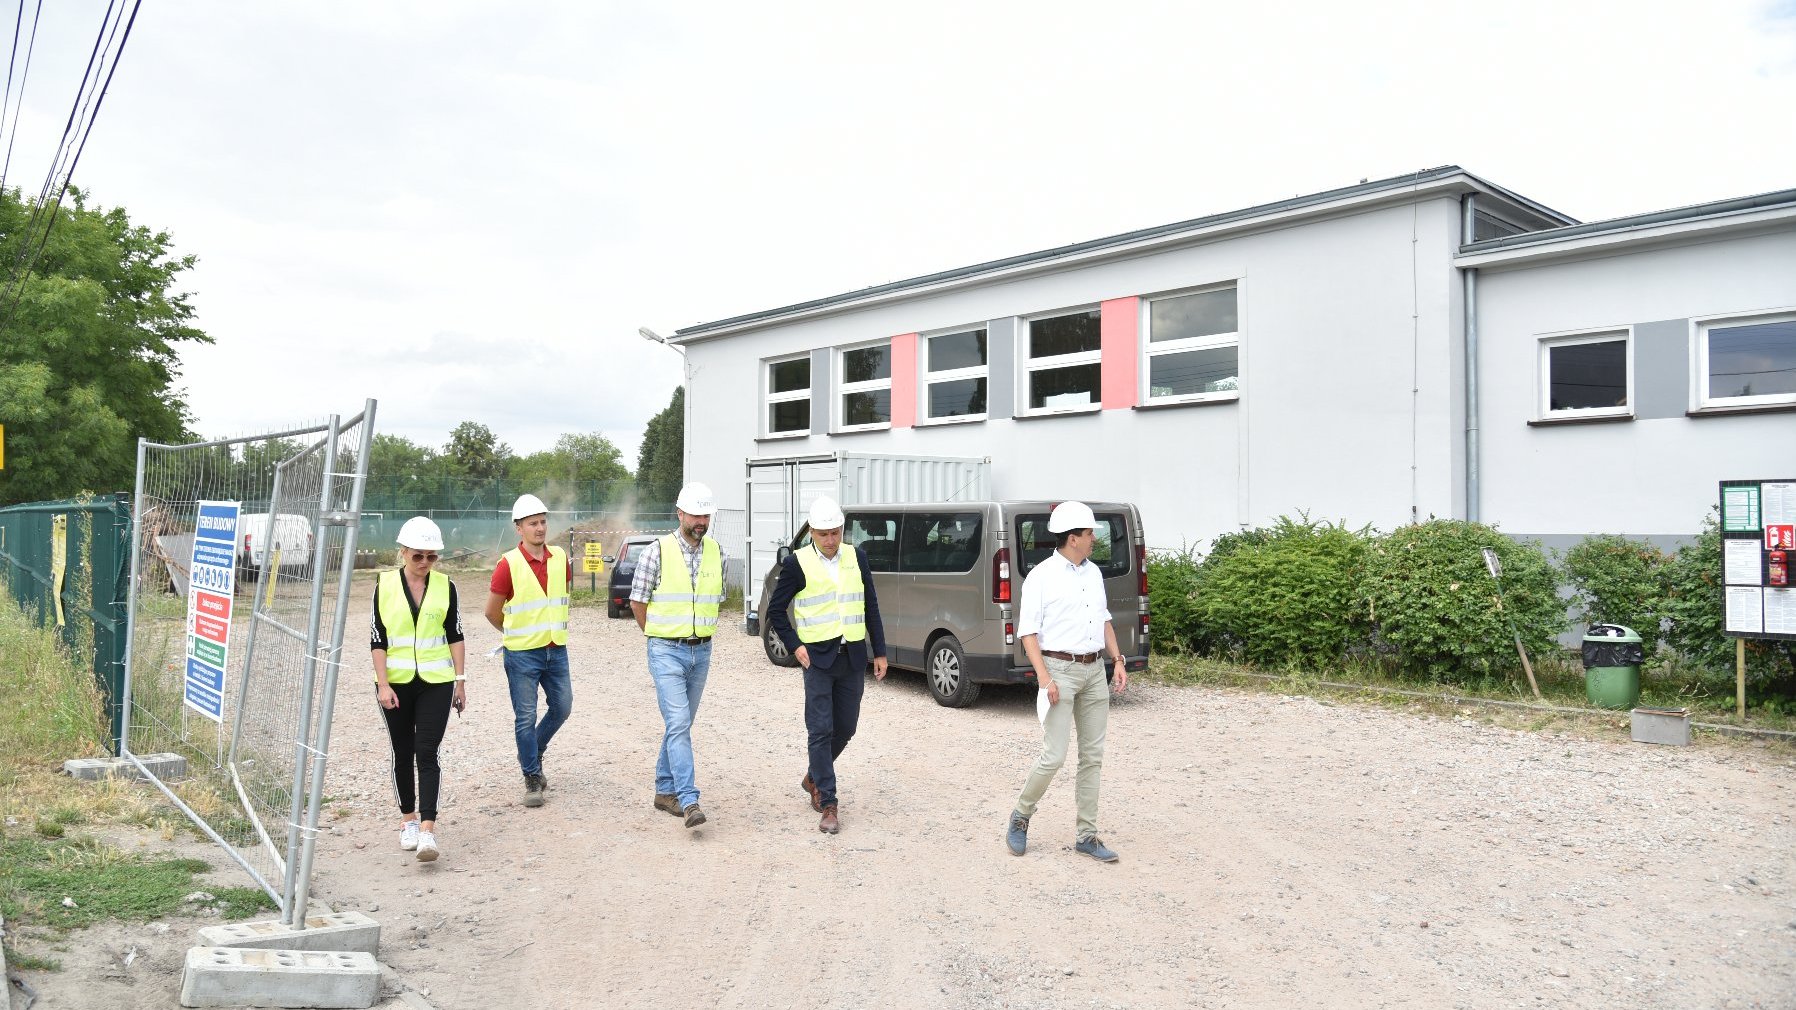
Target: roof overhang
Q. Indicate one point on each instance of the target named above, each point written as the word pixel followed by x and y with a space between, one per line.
pixel 1437 183
pixel 1707 222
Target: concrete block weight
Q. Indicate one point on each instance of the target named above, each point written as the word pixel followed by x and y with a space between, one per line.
pixel 166 767
pixel 338 931
pixel 225 976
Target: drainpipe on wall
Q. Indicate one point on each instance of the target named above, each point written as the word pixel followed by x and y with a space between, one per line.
pixel 1471 373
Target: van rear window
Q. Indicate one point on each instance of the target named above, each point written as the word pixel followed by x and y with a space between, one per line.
pixel 1111 552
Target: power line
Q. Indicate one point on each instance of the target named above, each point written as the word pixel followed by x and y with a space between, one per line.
pixel 77 110
pixel 24 76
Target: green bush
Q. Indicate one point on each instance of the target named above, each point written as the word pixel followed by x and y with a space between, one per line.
pixel 1693 604
pixel 1288 595
pixel 1618 581
pixel 1430 597
pixel 1172 578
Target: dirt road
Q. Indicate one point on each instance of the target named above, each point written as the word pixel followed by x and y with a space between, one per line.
pixel 1276 852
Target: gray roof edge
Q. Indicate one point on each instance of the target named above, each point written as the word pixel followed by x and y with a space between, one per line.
pixel 1675 215
pixel 1394 183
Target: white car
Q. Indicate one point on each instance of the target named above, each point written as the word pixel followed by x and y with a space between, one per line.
pixel 259 532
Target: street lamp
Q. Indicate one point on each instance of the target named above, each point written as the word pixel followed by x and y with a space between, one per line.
pixel 685 383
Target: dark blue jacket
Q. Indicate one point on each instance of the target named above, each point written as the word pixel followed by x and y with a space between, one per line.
pixel 823 654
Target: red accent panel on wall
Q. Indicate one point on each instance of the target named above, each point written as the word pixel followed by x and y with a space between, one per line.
pixel 1119 337
pixel 904 380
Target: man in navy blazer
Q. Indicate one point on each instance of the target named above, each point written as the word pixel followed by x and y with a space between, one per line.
pixel 834 632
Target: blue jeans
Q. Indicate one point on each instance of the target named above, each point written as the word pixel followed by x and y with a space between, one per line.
pixel 525 671
pixel 832 711
pixel 679 671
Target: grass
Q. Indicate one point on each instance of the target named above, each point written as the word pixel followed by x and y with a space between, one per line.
pixel 1561 677
pixel 55 711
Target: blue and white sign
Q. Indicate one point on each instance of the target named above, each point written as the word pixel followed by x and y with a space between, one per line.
pixel 213 579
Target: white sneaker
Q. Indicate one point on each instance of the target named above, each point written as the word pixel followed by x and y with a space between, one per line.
pixel 427 846
pixel 408 836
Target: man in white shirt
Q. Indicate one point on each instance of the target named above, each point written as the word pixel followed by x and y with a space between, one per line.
pixel 1064 622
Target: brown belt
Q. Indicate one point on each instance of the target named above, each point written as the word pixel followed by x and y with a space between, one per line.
pixel 1083 657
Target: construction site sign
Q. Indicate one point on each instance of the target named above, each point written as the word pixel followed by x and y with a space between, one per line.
pixel 211 583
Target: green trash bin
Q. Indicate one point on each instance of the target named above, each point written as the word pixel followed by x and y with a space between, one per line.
pixel 1612 657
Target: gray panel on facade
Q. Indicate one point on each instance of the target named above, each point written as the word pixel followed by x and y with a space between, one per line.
pixel 1000 368
pixel 1661 368
pixel 823 387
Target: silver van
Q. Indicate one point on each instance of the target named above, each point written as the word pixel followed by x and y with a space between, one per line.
pixel 950 575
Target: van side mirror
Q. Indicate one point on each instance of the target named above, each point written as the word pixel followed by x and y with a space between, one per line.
pixel 782 554
pixel 608 559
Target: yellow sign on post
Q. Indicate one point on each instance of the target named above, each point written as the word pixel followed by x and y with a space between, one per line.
pixel 594 559
pixel 59 559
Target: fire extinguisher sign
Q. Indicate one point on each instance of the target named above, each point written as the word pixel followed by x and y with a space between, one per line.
pixel 1758 550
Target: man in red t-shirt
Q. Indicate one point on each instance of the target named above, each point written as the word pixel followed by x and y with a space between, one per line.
pixel 527 602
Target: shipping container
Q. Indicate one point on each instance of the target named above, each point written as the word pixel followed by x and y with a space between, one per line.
pixel 781 489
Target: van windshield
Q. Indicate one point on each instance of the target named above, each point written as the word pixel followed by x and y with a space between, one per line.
pixel 1110 553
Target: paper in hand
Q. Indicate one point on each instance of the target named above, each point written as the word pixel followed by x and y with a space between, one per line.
pixel 1042 706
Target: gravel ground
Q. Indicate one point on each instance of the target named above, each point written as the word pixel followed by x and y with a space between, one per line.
pixel 1275 851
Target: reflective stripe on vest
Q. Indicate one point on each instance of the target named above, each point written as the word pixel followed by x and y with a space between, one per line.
pixel 677 609
pixel 533 618
pixel 409 654
pixel 830 606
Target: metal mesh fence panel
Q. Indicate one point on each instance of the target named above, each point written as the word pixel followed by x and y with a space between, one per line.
pixel 255 748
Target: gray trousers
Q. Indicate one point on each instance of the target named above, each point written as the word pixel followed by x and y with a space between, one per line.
pixel 1085 703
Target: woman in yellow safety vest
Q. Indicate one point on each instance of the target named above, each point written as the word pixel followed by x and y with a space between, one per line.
pixel 416 640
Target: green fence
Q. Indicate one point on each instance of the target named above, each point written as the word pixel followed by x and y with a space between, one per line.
pixel 95 583
pixel 476 515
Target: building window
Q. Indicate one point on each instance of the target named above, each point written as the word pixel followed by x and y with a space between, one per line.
pixel 1747 361
pixel 789 396
pixel 1193 347
pixel 1586 375
pixel 866 390
pixel 1062 366
pixel 954 374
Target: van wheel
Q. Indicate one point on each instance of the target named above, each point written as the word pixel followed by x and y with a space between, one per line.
pixel 776 649
pixel 612 611
pixel 946 671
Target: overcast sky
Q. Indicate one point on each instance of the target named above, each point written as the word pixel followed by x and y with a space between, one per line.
pixel 466 210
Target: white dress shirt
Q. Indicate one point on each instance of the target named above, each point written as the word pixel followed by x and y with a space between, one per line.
pixel 1064 605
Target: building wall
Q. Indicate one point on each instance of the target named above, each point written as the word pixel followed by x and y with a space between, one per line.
pixel 1655 475
pixel 1341 322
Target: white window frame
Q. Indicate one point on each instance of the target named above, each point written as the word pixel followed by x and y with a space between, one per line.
pixel 1545 342
pixel 1150 350
pixel 844 388
pixel 769 397
pixel 1699 371
pixel 927 378
pixel 1027 366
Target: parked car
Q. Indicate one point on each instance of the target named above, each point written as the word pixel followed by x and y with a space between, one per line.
pixel 286 533
pixel 623 569
pixel 949 576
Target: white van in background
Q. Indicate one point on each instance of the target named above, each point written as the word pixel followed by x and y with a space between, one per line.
pixel 260 532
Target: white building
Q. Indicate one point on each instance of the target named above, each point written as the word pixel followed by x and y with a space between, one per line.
pixel 1308 356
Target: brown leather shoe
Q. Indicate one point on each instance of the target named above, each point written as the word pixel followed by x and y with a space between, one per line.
pixel 811 787
pixel 669 803
pixel 829 825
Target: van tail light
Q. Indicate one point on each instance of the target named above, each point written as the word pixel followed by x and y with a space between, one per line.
pixel 1001 576
pixel 1009 632
pixel 1144 638
pixel 1141 570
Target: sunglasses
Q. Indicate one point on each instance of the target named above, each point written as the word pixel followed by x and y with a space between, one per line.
pixel 418 556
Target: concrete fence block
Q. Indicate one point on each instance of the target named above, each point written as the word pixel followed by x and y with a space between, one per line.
pixel 227 976
pixel 1661 725
pixel 338 931
pixel 166 767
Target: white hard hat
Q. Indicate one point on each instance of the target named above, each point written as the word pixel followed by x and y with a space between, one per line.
pixel 826 514
pixel 1071 515
pixel 526 506
pixel 696 500
pixel 420 533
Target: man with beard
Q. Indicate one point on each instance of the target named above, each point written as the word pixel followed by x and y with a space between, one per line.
pixel 675 595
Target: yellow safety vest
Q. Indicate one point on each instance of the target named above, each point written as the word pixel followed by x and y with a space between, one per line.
pixel 416 648
pixel 830 606
pixel 678 609
pixel 533 618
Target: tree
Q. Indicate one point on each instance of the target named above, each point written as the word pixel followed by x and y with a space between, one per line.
pixel 88 353
pixel 575 459
pixel 474 453
pixel 393 457
pixel 661 463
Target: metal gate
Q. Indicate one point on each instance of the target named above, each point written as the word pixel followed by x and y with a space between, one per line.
pixel 255 739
